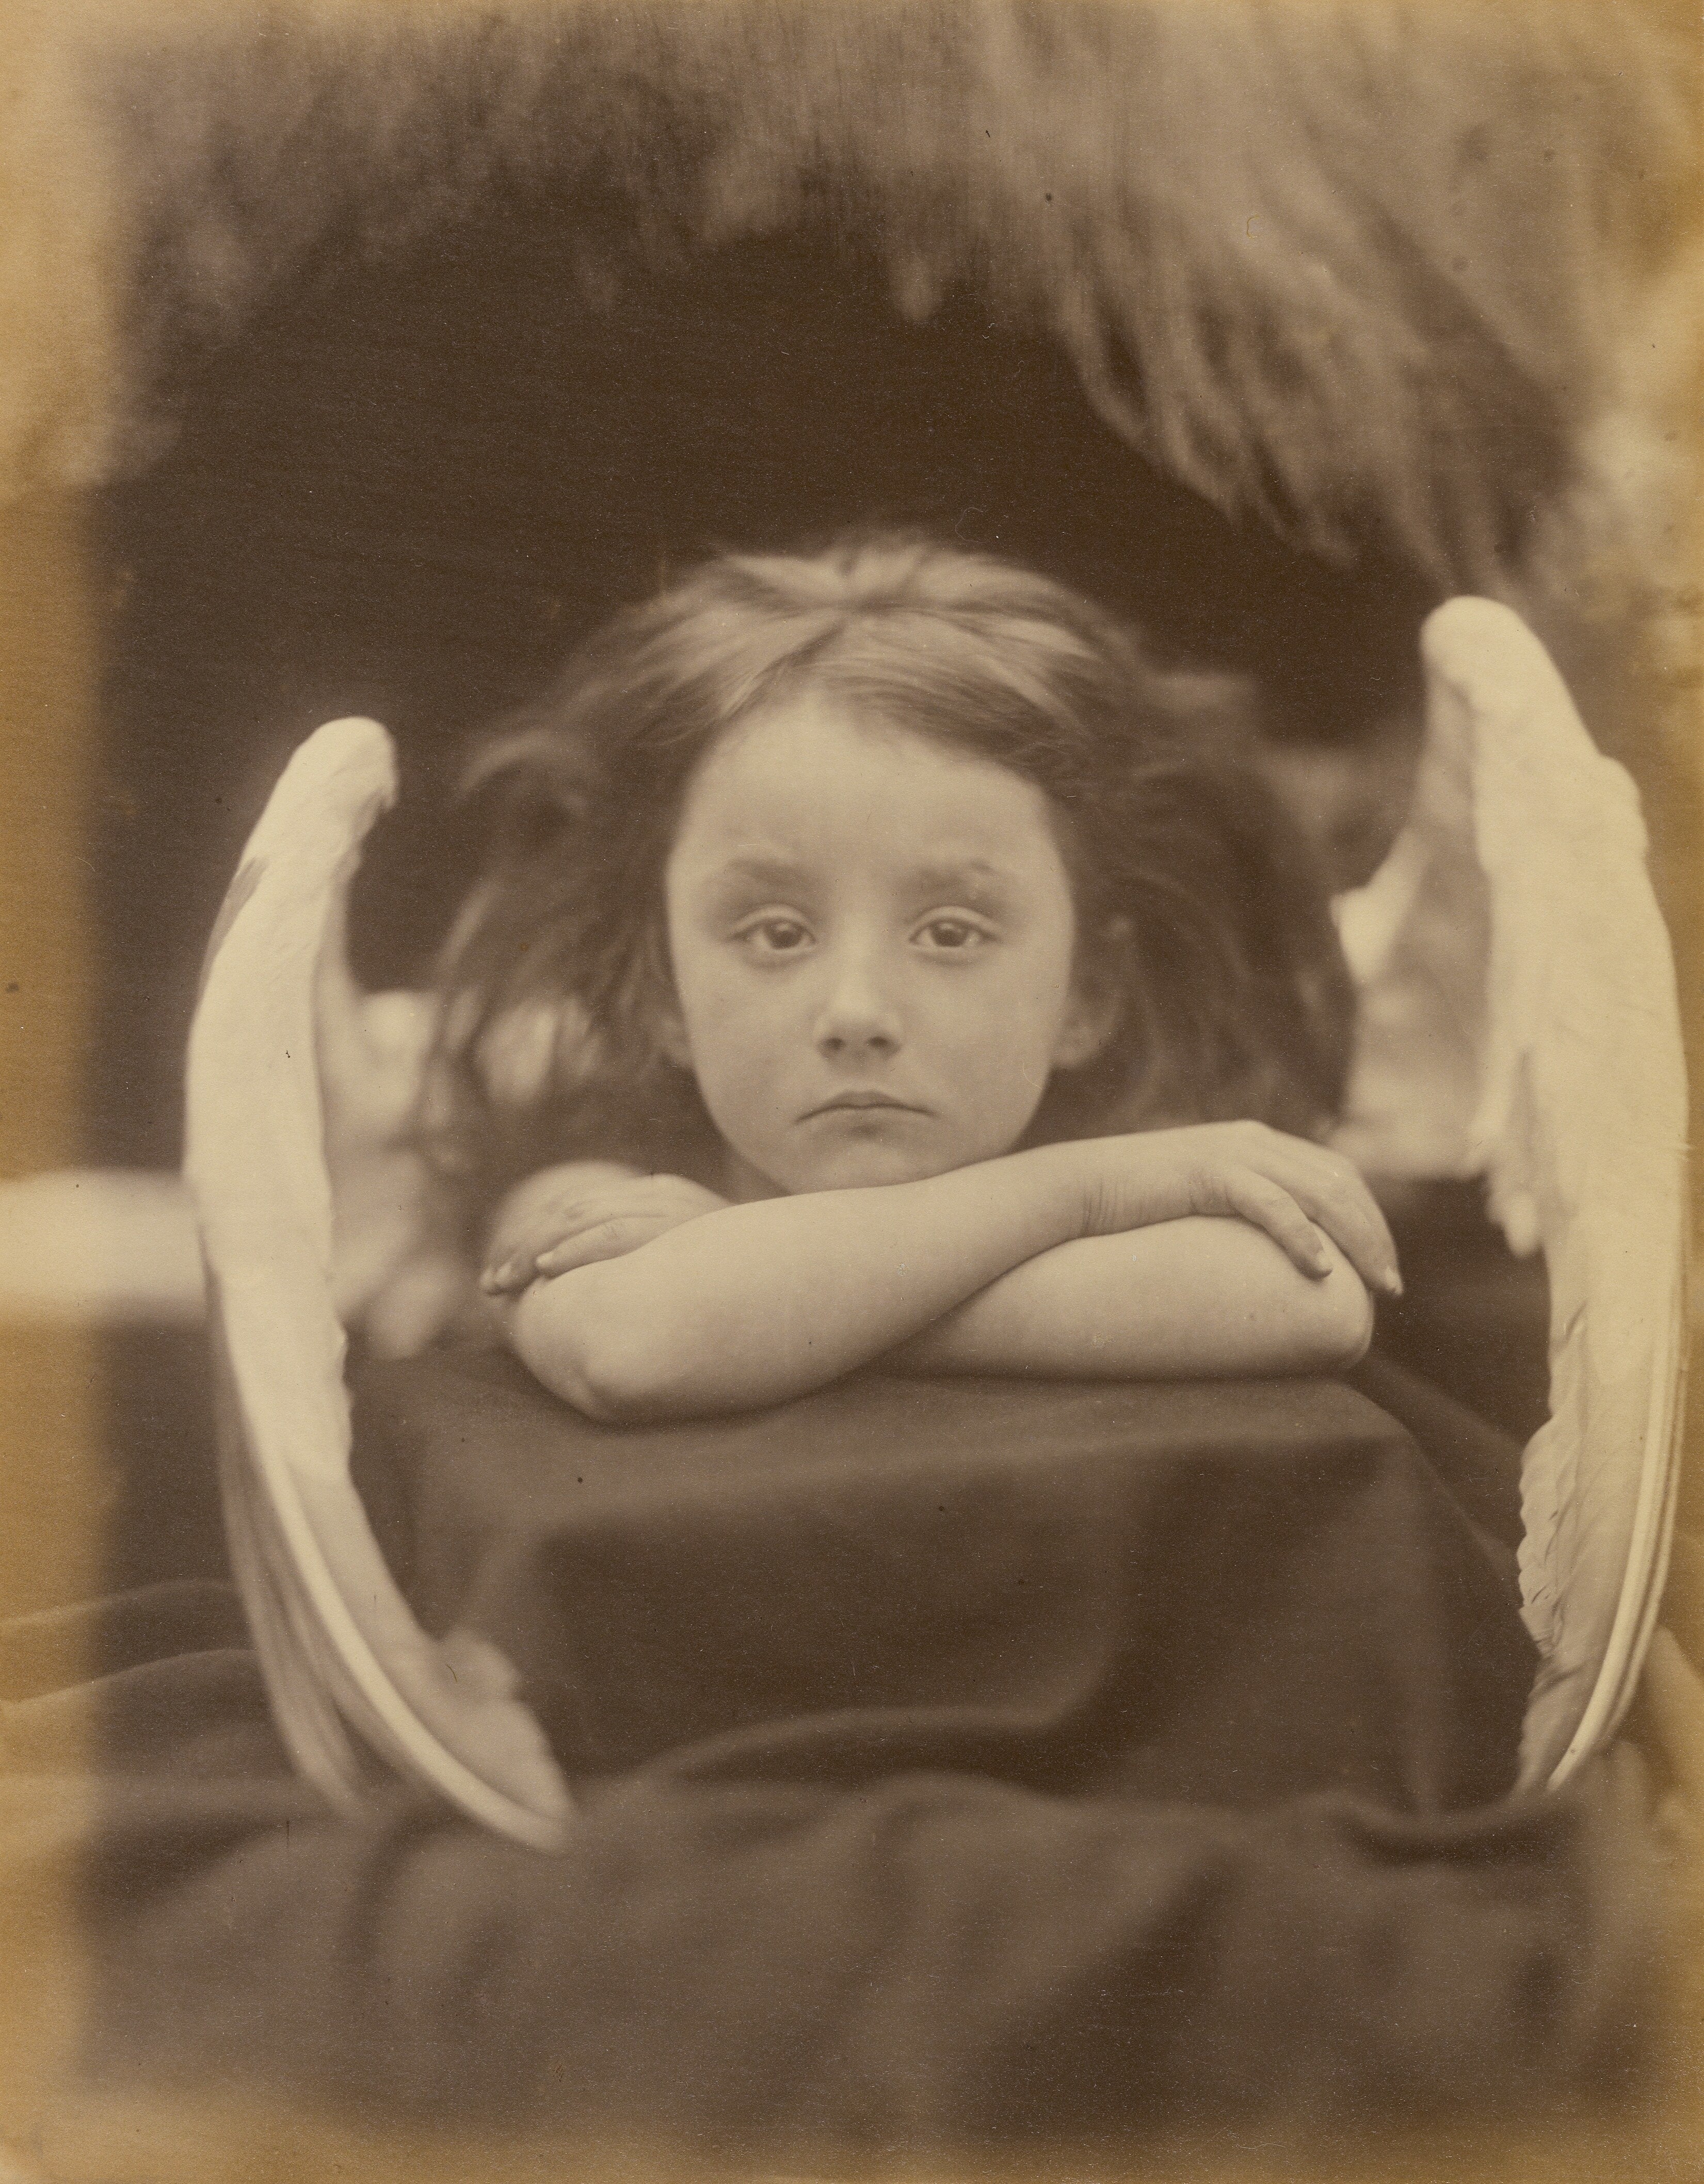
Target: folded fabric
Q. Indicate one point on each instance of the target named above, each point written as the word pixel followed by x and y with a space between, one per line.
pixel 1223 1593
pixel 976 1768
pixel 934 1961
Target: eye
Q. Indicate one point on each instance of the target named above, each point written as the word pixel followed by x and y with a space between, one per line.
pixel 774 935
pixel 953 936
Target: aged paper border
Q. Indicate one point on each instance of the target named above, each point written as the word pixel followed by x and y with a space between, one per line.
pixel 54 1474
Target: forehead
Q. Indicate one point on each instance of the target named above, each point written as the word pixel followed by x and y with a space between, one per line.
pixel 811 777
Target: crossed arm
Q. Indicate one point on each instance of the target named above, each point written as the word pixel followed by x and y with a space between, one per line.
pixel 1171 1253
pixel 644 1297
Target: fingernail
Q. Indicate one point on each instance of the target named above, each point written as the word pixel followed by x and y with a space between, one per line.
pixel 1393 1282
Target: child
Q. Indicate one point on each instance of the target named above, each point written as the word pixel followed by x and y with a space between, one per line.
pixel 907 978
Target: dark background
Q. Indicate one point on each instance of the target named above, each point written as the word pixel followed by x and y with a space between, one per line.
pixel 412 482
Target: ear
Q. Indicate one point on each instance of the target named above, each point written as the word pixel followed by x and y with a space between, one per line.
pixel 1091 1019
pixel 671 1034
pixel 1096 1007
pixel 660 1003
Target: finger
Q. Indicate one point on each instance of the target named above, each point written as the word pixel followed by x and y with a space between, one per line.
pixel 607 1240
pixel 1333 1192
pixel 640 1214
pixel 1344 1206
pixel 536 1231
pixel 522 1263
pixel 1269 1206
pixel 1353 1186
pixel 560 1234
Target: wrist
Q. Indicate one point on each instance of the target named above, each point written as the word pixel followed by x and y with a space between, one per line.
pixel 1071 1176
pixel 1131 1180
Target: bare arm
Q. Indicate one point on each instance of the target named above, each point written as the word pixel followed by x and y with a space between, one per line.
pixel 1189 1298
pixel 754 1304
pixel 749 1305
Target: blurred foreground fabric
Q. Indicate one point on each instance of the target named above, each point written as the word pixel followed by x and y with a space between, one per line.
pixel 929 1963
pixel 920 1960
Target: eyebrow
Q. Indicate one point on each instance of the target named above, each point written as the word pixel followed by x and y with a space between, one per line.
pixel 949 874
pixel 940 876
pixel 756 867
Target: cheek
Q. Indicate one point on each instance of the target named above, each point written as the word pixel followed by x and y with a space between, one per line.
pixel 732 1026
pixel 998 1046
pixel 1024 1011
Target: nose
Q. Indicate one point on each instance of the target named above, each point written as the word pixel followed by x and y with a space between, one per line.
pixel 857 1017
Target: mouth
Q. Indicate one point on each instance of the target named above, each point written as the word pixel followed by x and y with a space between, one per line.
pixel 864 1103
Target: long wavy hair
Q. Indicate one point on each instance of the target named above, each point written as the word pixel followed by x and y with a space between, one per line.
pixel 1200 915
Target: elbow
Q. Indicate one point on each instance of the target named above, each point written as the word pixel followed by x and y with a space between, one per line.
pixel 597 1361
pixel 600 1389
pixel 1340 1323
pixel 617 1382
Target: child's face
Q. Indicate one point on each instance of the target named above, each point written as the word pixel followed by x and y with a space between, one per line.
pixel 873 943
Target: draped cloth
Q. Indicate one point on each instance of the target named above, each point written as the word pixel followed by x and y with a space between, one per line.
pixel 1220 1592
pixel 956 1787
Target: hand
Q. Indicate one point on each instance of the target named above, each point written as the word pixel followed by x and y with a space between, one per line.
pixel 1289 1187
pixel 569 1217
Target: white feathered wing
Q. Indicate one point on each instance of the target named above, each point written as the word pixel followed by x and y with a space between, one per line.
pixel 1521 1022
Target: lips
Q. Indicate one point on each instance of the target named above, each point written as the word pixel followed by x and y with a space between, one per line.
pixel 864 1103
